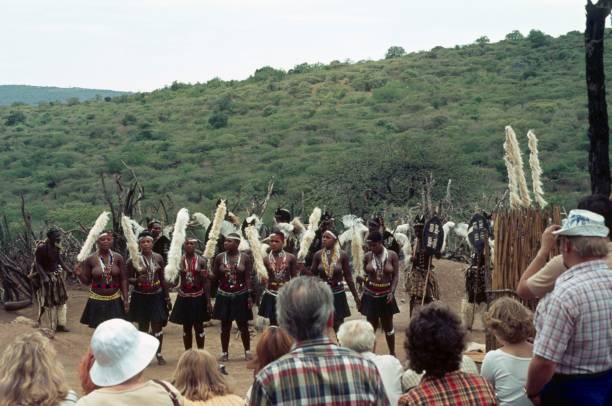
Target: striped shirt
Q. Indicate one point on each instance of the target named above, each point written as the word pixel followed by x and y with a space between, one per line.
pixel 454 388
pixel 318 372
pixel 574 322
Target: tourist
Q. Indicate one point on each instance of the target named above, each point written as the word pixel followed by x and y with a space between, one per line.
pixel 572 363
pixel 506 367
pixel 85 364
pixel 31 375
pixel 198 378
pixel 359 336
pixel 435 340
pixel 316 371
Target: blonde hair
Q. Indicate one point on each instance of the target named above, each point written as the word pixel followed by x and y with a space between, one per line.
pixel 30 374
pixel 509 320
pixel 197 376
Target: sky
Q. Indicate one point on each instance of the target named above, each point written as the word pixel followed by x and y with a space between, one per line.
pixel 142 45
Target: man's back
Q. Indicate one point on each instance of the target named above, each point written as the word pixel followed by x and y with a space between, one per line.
pixel 318 372
pixel 574 322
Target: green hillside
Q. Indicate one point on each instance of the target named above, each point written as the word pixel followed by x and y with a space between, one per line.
pixel 10 94
pixel 348 136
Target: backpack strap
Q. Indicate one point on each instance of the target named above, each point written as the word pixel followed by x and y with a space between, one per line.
pixel 173 397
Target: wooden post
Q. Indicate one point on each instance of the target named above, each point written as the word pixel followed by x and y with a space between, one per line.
pixel 599 131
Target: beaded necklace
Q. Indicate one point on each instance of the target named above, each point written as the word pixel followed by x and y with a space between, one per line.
pixel 150 270
pixel 107 270
pixel 279 272
pixel 329 264
pixel 190 270
pixel 379 263
pixel 231 269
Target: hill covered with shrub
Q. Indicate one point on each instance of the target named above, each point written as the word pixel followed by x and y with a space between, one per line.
pixel 349 136
pixel 10 94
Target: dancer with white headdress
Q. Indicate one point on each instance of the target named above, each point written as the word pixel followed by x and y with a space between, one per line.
pixel 281 267
pixel 193 306
pixel 106 275
pixel 150 300
pixel 232 272
pixel 332 265
pixel 381 266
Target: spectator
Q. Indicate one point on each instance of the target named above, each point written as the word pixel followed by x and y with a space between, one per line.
pixel 121 354
pixel 359 336
pixel 506 367
pixel 31 375
pixel 434 343
pixel 316 371
pixel 411 379
pixel 572 363
pixel 273 344
pixel 198 378
pixel 84 367
pixel 539 277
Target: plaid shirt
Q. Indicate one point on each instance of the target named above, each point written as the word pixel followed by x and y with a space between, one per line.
pixel 453 389
pixel 318 372
pixel 574 322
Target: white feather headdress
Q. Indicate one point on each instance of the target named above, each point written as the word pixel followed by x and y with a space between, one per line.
pixel 519 169
pixel 93 235
pixel 253 237
pixel 171 271
pixel 201 220
pixel 309 235
pixel 215 230
pixel 536 170
pixel 131 242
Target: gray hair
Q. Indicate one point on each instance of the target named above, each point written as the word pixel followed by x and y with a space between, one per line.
pixel 590 246
pixel 358 335
pixel 304 306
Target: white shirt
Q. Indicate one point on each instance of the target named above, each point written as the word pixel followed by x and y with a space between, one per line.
pixel 390 370
pixel 507 373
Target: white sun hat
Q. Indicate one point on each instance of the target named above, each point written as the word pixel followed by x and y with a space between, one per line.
pixel 120 352
pixel 583 223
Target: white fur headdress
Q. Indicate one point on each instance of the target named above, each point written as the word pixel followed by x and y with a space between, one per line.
pixel 253 237
pixel 201 220
pixel 215 230
pixel 171 271
pixel 131 242
pixel 93 235
pixel 309 235
pixel 536 169
pixel 519 193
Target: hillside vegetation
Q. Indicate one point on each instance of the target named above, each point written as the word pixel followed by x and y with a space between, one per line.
pixel 10 94
pixel 347 136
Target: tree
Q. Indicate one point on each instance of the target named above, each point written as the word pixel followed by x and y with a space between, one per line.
pixel 515 36
pixel 483 40
pixel 599 130
pixel 218 120
pixel 395 52
pixel 14 118
pixel 537 38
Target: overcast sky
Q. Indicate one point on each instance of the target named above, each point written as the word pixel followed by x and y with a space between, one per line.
pixel 141 45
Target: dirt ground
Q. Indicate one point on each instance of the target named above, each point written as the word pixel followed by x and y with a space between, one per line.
pixel 71 346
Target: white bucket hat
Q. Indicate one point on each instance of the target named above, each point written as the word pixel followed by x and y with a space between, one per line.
pixel 120 352
pixel 583 223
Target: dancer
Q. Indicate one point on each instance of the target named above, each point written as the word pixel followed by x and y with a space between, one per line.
pixel 48 280
pixel 332 265
pixel 378 303
pixel 377 223
pixel 281 267
pixel 232 270
pixel 421 277
pixel 193 306
pixel 150 300
pixel 161 243
pixel 106 274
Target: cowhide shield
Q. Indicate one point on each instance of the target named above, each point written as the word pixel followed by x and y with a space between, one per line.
pixel 478 232
pixel 433 236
